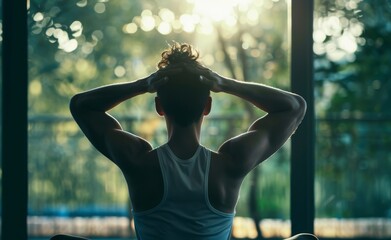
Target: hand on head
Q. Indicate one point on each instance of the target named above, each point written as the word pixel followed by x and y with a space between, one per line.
pixel 161 77
pixel 206 76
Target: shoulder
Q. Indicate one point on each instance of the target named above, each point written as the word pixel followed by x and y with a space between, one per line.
pixel 126 149
pixel 236 159
pixel 141 167
pixel 223 164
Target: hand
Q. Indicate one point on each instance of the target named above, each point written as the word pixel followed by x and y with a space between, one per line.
pixel 214 81
pixel 154 81
pixel 207 76
pixel 161 77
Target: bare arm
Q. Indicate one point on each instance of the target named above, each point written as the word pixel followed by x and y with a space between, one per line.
pixel 89 110
pixel 285 111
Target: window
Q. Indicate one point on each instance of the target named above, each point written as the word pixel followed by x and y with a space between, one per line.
pixel 77 46
pixel 353 121
pixel 70 43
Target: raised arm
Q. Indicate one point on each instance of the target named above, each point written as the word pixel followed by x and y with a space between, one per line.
pixel 285 111
pixel 89 110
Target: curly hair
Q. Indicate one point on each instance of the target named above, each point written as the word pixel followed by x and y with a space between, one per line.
pixel 178 53
pixel 183 98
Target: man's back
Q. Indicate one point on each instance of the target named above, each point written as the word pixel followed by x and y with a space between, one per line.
pixel 184 210
pixel 146 181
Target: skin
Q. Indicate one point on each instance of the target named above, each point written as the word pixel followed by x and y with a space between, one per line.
pixel 233 160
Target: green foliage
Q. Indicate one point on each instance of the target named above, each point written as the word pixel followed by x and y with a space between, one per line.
pixel 78 45
pixel 353 158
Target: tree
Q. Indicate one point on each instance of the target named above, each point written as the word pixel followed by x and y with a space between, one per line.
pixel 353 53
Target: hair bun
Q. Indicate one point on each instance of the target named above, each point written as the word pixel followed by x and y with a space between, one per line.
pixel 178 53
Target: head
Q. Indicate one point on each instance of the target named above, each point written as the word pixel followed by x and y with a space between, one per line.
pixel 183 99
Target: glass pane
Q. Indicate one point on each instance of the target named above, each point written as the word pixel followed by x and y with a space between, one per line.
pixel 75 46
pixel 353 160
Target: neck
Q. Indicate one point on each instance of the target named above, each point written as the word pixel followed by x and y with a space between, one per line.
pixel 184 141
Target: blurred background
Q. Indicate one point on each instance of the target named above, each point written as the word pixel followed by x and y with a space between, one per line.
pixel 80 44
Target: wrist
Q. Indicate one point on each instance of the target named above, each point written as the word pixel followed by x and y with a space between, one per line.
pixel 225 84
pixel 143 85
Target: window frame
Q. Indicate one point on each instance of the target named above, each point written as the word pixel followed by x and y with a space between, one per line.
pixel 14 121
pixel 14 118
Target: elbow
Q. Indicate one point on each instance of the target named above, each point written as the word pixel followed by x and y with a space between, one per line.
pixel 299 106
pixel 74 104
pixel 301 103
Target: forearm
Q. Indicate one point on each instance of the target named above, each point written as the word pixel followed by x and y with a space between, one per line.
pixel 267 98
pixel 106 97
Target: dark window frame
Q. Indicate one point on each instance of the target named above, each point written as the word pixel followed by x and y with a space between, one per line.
pixel 14 121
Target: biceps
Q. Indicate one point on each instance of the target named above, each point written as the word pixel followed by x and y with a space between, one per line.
pixel 264 138
pixel 247 150
pixel 276 127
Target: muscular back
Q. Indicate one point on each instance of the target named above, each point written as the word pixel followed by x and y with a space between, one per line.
pixel 146 187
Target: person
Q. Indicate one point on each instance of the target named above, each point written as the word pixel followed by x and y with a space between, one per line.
pixel 182 189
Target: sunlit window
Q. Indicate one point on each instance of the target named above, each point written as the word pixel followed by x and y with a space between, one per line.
pixel 74 46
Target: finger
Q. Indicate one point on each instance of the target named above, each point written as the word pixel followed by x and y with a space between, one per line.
pixel 160 82
pixel 170 71
pixel 206 81
pixel 206 71
pixel 151 78
pixel 196 69
pixel 157 83
pixel 173 66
